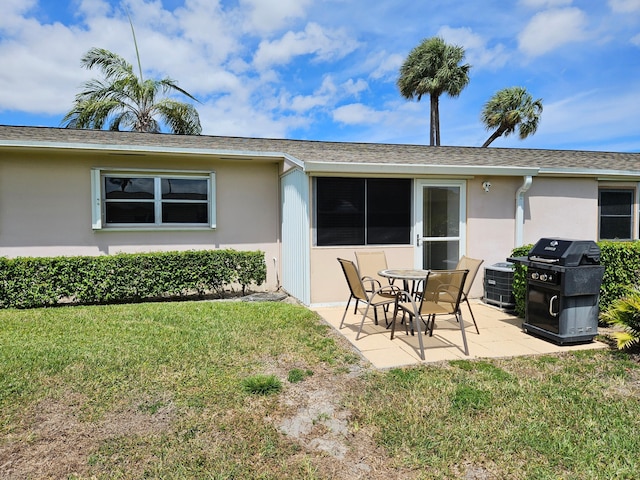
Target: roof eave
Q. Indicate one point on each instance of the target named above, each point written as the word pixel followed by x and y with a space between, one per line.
pixel 598 174
pixel 145 149
pixel 415 169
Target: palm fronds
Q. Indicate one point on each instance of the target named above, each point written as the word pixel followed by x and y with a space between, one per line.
pixel 511 109
pixel 122 100
pixel 625 313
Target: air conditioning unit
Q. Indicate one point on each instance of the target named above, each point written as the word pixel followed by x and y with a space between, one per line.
pixel 498 285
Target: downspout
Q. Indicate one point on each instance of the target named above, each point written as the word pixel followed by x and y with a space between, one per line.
pixel 528 179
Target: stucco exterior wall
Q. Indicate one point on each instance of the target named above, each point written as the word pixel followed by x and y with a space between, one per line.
pixel 328 284
pixel 561 207
pixel 490 223
pixel 45 207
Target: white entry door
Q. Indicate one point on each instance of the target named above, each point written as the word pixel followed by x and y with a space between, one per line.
pixel 440 234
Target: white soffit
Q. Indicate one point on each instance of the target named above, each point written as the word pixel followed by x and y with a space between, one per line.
pixel 414 169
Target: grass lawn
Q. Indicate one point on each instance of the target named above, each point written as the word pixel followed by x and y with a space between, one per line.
pixel 159 390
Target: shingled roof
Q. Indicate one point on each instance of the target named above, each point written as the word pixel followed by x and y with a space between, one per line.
pixel 334 154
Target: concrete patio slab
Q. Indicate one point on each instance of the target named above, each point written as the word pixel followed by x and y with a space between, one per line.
pixel 500 335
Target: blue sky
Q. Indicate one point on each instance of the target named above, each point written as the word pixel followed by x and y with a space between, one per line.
pixel 327 69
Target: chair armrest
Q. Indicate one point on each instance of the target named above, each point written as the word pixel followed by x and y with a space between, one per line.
pixel 375 283
pixel 388 291
pixel 409 302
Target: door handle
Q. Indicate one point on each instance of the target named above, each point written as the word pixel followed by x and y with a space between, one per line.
pixel 551 300
pixel 418 243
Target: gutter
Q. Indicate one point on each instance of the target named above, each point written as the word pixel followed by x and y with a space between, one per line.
pixel 519 227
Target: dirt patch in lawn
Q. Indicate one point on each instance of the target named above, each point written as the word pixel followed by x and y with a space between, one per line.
pixel 53 441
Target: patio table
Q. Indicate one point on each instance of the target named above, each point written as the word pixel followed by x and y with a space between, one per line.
pixel 406 275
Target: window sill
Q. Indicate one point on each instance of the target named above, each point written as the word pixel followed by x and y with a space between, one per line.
pixel 155 228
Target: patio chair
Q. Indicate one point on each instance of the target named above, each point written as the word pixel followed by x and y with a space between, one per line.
pixel 473 265
pixel 383 296
pixel 441 296
pixel 369 264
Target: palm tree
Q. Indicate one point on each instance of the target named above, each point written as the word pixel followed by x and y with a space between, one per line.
pixel 510 109
pixel 125 100
pixel 433 68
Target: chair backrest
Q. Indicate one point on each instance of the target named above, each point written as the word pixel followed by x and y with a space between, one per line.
pixel 353 279
pixel 370 263
pixel 444 287
pixel 473 265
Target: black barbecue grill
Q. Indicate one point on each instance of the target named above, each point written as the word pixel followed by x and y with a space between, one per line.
pixel 563 289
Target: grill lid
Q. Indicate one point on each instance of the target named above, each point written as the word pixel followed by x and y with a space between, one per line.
pixel 569 253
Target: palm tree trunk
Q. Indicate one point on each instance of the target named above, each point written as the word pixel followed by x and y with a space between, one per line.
pixel 434 137
pixel 493 136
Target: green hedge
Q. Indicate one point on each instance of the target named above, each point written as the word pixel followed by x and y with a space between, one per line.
pixel 621 262
pixel 519 285
pixel 27 282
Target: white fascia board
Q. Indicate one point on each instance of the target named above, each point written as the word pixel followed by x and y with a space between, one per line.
pixel 402 169
pixel 599 174
pixel 290 158
pixel 133 149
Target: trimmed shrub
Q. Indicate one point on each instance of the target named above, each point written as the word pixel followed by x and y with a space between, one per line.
pixel 28 282
pixel 519 285
pixel 621 262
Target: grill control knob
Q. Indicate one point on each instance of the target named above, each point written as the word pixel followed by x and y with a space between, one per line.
pixel 543 277
pixel 534 275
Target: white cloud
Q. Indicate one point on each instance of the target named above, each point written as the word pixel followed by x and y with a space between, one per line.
pixel 12 19
pixel 394 122
pixel 227 116
pixel 94 8
pixel 477 52
pixel 383 65
pixel 325 95
pixel 17 7
pixel 356 114
pixel 624 6
pixel 325 44
pixel 354 88
pixel 636 40
pixel 213 32
pixel 305 103
pixel 271 15
pixel 551 29
pixel 41 68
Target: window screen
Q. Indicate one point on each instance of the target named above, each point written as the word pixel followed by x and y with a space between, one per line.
pixel 156 200
pixel 363 211
pixel 616 214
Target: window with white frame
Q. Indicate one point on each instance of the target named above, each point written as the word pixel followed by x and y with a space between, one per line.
pixel 125 199
pixel 616 208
